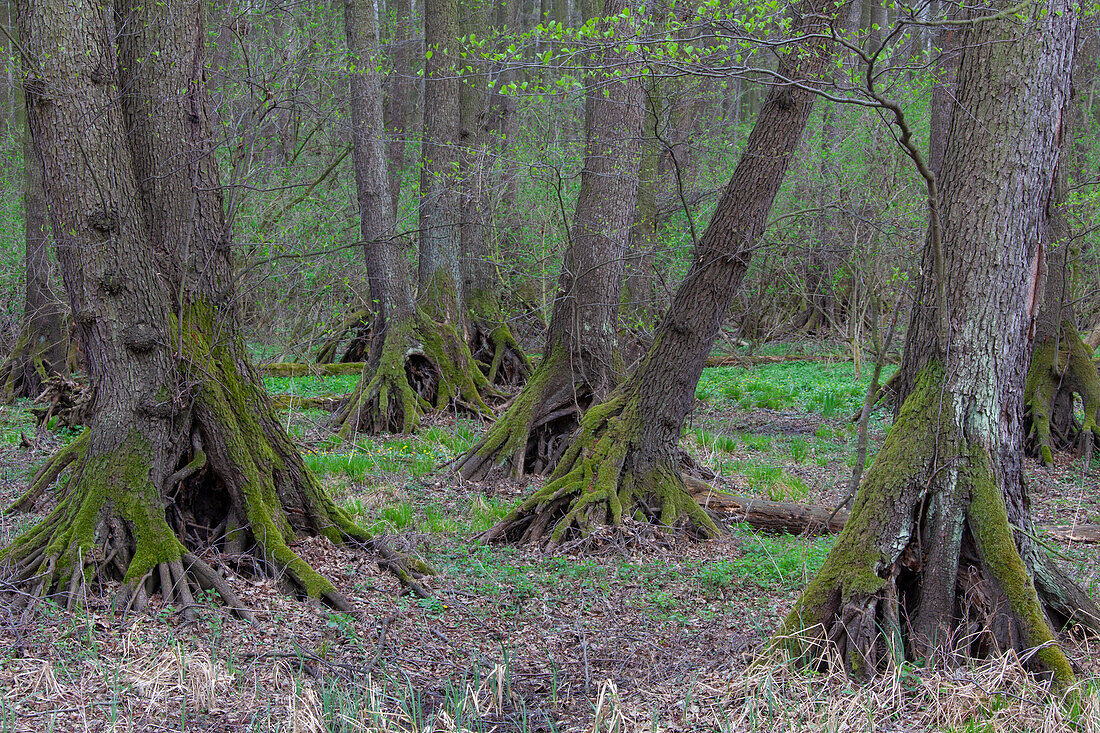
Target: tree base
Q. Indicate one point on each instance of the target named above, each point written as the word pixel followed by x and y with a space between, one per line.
pixel 1062 368
pixel 421 365
pixel 220 475
pixel 27 368
pixel 498 354
pixel 928 562
pixel 532 433
pixel 603 479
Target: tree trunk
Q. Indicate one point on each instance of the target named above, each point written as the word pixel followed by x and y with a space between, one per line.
pixel 438 271
pixel 579 359
pixel 1062 367
pixel 928 561
pixel 415 363
pixel 399 97
pixel 184 451
pixel 624 462
pixel 494 348
pixel 41 350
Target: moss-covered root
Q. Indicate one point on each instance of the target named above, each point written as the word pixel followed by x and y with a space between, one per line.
pixel 423 365
pixel 601 480
pixel 530 436
pixel 108 525
pixel 930 515
pixel 1061 368
pixel 26 369
pixel 254 493
pixel 498 354
pixel 50 471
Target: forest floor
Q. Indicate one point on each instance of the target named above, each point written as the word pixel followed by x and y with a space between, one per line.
pixel 653 638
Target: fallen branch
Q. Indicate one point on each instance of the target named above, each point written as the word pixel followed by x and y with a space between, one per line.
pixel 812 520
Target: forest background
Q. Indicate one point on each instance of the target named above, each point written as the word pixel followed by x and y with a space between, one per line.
pixel 832 276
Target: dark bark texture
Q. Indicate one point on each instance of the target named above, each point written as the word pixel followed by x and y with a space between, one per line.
pixel 928 562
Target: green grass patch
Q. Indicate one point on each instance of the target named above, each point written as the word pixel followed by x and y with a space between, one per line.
pixel 825 389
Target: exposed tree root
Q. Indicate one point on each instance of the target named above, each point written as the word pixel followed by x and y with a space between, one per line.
pixel 1062 368
pixel 928 562
pixel 64 398
pixel 27 368
pixel 359 345
pixel 498 354
pixel 229 482
pixel 602 478
pixel 532 433
pixel 50 471
pixel 421 365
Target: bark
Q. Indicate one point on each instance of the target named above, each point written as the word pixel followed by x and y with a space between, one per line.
pixel 416 362
pixel 184 452
pixel 640 279
pixel 494 348
pixel 579 359
pixel 42 347
pixel 438 270
pixel 928 562
pixel 399 97
pixel 625 462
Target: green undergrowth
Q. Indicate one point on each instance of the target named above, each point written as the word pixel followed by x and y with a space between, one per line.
pixel 662 588
pixel 312 386
pixel 413 455
pixel 830 390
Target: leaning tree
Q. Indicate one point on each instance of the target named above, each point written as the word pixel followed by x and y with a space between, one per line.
pixel 578 363
pixel 625 460
pixel 940 552
pixel 184 454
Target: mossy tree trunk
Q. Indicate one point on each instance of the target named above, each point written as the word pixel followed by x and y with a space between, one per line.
pixel 580 363
pixel 1062 368
pixel 184 453
pixel 416 363
pixel 494 348
pixel 625 461
pixel 928 561
pixel 42 347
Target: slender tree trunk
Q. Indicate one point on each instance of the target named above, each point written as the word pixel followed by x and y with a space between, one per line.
pixel 625 462
pixel 495 349
pixel 579 359
pixel 929 555
pixel 438 271
pixel 399 97
pixel 41 350
pixel 416 363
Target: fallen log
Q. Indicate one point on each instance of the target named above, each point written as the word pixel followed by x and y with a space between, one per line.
pixel 329 403
pixel 812 520
pixel 297 369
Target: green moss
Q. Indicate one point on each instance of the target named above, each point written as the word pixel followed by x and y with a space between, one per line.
pixel 597 477
pixel 988 520
pixel 900 472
